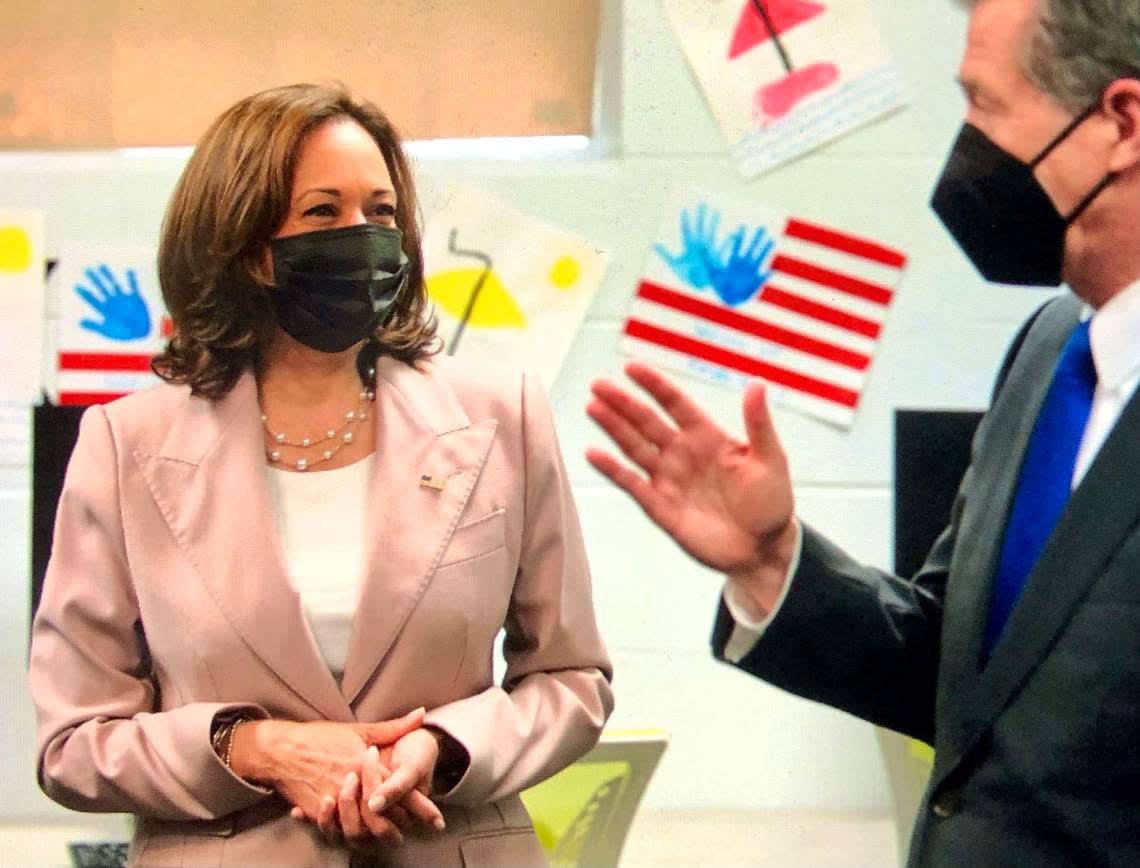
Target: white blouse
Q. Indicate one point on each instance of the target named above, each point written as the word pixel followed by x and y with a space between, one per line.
pixel 321 520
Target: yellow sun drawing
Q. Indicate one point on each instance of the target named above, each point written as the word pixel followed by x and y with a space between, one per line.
pixel 565 272
pixel 495 307
pixel 15 249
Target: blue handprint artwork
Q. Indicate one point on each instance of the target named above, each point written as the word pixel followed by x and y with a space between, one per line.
pixel 744 271
pixel 124 314
pixel 732 269
pixel 697 246
pixel 744 292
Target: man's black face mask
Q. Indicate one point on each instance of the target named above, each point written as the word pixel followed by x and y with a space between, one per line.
pixel 1000 215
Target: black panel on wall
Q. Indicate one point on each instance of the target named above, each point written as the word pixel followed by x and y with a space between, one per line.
pixel 54 431
pixel 932 452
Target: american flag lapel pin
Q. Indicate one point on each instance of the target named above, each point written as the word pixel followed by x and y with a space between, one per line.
pixel 433 482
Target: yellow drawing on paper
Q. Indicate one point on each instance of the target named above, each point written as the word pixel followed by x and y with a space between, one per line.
pixel 565 272
pixel 15 249
pixel 494 309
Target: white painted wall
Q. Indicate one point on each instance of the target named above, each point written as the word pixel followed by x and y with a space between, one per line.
pixel 735 741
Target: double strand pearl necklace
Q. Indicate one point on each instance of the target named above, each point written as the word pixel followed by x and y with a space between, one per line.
pixel 330 442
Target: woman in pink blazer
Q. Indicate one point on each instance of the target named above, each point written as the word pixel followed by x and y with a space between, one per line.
pixel 276 582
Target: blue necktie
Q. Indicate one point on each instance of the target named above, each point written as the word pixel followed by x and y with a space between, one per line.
pixel 1045 482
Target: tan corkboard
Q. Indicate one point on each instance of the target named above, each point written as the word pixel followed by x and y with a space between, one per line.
pixel 78 74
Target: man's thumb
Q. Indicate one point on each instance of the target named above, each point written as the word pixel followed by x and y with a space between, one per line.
pixel 758 421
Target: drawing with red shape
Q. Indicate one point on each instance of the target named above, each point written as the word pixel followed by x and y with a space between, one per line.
pixel 765 20
pixel 752 29
pixel 775 100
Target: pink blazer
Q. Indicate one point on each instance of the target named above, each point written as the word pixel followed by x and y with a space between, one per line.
pixel 167 601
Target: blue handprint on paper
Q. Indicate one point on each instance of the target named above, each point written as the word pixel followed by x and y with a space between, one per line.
pixel 745 271
pixel 735 271
pixel 124 313
pixel 698 246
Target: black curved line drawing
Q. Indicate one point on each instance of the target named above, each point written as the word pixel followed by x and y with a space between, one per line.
pixel 453 344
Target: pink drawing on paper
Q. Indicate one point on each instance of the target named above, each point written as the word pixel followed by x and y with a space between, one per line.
pixel 782 15
pixel 775 100
pixel 765 21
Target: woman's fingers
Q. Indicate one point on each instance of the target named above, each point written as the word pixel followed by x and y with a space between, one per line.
pixel 348 809
pixel 401 782
pixel 326 820
pixel 386 732
pixel 415 806
pixel 400 818
pixel 372 771
pixel 382 828
pixel 423 809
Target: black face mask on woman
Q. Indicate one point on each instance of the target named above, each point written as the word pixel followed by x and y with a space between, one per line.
pixel 999 213
pixel 335 287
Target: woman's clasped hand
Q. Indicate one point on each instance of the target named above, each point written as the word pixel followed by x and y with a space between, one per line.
pixel 356 781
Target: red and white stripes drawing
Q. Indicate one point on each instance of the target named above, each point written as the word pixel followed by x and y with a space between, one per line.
pixel 810 328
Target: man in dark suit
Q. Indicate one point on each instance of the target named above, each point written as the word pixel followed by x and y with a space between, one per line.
pixel 1016 649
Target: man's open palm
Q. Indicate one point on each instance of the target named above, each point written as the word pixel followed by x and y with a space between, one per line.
pixel 727 502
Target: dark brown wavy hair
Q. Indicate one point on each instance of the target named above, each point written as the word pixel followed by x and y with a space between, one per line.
pixel 232 197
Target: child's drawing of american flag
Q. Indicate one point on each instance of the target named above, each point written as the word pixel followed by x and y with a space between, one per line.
pixel 809 329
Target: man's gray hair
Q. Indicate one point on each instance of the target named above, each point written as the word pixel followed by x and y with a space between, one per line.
pixel 1079 47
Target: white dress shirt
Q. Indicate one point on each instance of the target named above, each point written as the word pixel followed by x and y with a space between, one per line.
pixel 1114 336
pixel 321 519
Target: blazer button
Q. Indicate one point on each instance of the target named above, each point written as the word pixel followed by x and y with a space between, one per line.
pixel 946 803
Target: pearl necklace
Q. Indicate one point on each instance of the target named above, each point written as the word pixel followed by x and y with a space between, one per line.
pixel 332 441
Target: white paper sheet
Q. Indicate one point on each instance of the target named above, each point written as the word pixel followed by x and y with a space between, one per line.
pixel 734 291
pixel 532 283
pixel 22 300
pixel 111 322
pixel 785 82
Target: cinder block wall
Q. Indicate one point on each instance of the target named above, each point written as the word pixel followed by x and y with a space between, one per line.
pixel 735 742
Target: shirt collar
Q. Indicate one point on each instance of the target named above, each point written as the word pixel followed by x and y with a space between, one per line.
pixel 1115 338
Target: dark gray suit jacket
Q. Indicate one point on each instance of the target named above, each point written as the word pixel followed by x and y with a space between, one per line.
pixel 1037 752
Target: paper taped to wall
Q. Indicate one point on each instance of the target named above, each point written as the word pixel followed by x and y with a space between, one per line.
pixel 783 77
pixel 734 291
pixel 507 287
pixel 15 435
pixel 22 297
pixel 111 323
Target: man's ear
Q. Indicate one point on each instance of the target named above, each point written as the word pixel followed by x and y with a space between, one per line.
pixel 1121 103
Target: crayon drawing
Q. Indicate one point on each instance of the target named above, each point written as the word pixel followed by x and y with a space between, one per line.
pixel 507 287
pixel 734 291
pixel 785 76
pixel 111 323
pixel 22 296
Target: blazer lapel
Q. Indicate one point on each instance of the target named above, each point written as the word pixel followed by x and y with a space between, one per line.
pixel 1108 499
pixel 995 470
pixel 428 458
pixel 209 482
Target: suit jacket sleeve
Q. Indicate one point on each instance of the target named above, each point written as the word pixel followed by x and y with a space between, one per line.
pixel 858 638
pixel 103 742
pixel 854 637
pixel 556 695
